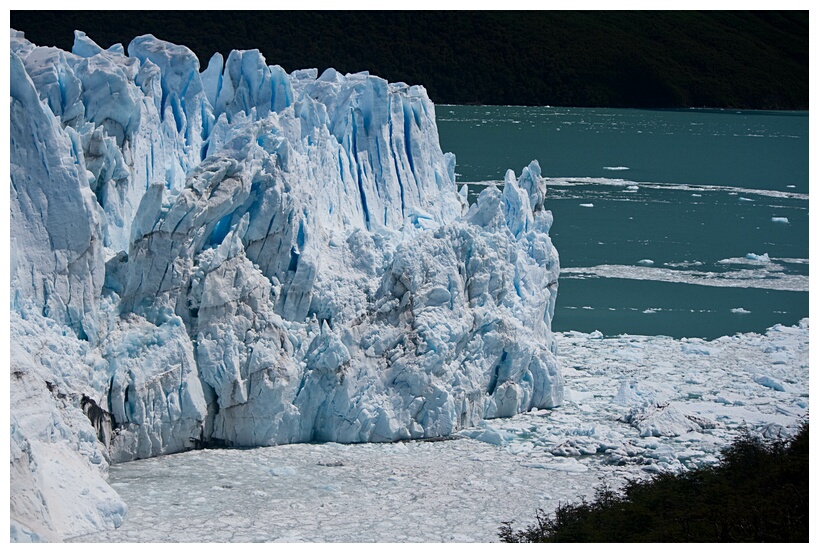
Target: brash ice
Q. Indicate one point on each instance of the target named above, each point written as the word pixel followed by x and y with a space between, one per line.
pixel 246 257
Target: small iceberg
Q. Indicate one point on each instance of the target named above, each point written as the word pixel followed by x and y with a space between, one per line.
pixel 756 257
pixel 618 168
pixel 740 310
pixel 779 220
pixel 749 259
pixel 586 205
pixel 646 262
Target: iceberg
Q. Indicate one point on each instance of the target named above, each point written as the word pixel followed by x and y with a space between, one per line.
pixel 245 257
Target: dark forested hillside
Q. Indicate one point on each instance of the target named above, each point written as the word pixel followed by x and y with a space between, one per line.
pixel 756 60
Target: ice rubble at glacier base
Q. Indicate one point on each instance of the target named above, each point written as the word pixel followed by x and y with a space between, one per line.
pixel 248 257
pixel 685 400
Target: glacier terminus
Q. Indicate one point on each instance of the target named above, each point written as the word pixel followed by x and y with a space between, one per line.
pixel 240 256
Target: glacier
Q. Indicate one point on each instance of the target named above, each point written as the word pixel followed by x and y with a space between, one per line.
pixel 245 257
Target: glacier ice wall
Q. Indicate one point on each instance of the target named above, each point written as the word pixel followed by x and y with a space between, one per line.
pixel 243 256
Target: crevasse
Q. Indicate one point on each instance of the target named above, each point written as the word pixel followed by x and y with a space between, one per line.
pixel 247 257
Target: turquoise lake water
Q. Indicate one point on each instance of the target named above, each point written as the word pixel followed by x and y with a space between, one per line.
pixel 663 219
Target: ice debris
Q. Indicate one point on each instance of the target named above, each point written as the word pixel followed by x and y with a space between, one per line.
pixel 241 256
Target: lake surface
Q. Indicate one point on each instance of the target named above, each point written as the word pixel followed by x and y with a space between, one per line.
pixel 663 219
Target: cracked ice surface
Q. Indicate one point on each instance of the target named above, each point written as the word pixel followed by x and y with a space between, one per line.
pixel 249 257
pixel 634 405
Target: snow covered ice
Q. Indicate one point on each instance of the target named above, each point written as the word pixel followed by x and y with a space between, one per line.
pixel 247 257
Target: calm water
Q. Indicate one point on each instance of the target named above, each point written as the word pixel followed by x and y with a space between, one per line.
pixel 656 212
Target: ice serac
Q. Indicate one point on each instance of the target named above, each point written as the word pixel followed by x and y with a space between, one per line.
pixel 57 227
pixel 242 256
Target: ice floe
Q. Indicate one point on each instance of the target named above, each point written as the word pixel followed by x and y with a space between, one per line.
pixel 767 276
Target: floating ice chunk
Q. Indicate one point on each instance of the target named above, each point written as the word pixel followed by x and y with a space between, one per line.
pixel 772 383
pixel 616 168
pixel 628 393
pixel 775 431
pixel 794 260
pixel 586 205
pixel 575 396
pixel 696 348
pixel 743 199
pixel 565 465
pixel 661 420
pixel 485 433
pixel 779 220
pixel 646 262
pixel 633 393
pixel 739 310
pixel 760 258
pixel 780 358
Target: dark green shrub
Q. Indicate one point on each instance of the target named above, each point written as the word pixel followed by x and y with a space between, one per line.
pixel 758 492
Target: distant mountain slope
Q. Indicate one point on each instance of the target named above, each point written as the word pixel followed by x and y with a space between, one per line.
pixel 755 60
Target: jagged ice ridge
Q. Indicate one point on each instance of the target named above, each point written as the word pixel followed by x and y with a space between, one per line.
pixel 248 257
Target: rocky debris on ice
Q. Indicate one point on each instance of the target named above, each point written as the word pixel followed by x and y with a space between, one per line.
pixel 243 256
